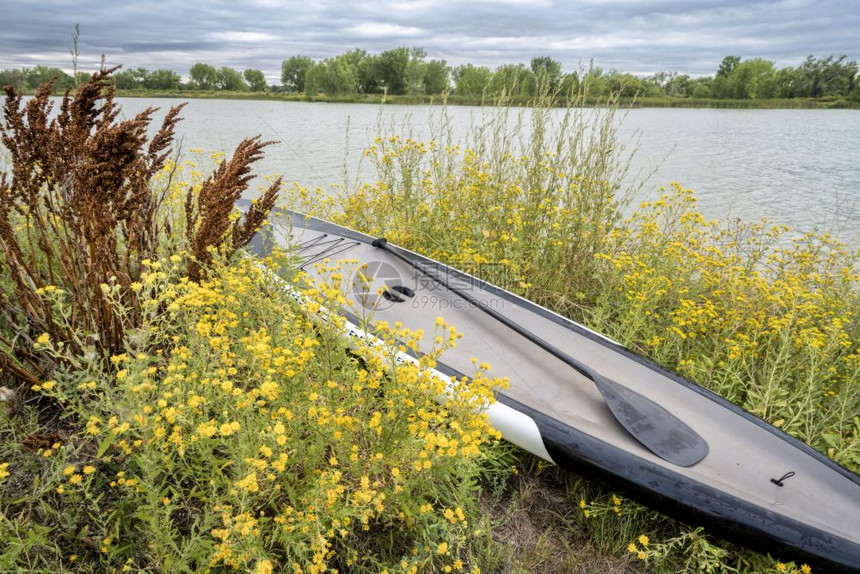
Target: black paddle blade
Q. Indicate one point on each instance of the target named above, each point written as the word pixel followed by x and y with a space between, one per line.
pixel 656 428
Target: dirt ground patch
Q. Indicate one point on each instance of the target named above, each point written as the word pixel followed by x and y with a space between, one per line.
pixel 537 527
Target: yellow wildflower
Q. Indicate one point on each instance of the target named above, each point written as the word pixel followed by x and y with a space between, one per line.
pixel 227 429
pixel 207 429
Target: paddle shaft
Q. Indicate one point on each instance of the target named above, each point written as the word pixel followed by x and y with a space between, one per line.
pixel 482 305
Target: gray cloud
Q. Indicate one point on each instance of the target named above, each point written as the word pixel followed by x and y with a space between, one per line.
pixel 688 36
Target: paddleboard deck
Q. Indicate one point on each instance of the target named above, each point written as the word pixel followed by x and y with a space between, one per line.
pixel 755 485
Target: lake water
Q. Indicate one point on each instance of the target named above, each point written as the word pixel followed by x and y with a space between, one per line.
pixel 798 167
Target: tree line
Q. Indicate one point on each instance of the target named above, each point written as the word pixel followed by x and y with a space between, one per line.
pixel 407 71
pixel 403 71
pixel 201 77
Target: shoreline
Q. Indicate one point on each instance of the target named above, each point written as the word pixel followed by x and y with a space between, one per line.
pixel 401 100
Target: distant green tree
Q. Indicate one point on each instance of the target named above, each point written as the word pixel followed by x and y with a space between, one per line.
pixel 570 85
pixel 753 79
pixel 787 83
pixel 14 78
pixel 727 66
pixel 437 77
pixel 256 80
pixel 203 76
pixel 701 87
pixel 354 61
pixel 126 80
pixel 661 78
pixel 35 77
pixel 415 70
pixel 624 85
pixel 854 94
pixel 594 82
pixel 230 80
pixel 722 87
pixel 162 80
pixel 513 80
pixel 830 76
pixel 368 74
pixel 670 84
pixel 133 78
pixel 316 78
pixel 471 80
pixel 332 76
pixel 679 86
pixel 142 74
pixel 391 70
pixel 652 90
pixel 294 71
pixel 547 73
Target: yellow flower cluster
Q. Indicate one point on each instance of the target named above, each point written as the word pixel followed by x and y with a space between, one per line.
pixel 762 317
pixel 502 218
pixel 308 452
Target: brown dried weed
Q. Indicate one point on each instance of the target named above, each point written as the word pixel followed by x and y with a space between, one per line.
pixel 78 210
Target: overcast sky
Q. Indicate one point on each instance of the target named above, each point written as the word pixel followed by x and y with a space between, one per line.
pixel 637 36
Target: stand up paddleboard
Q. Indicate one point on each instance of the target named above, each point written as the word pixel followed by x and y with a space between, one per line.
pixel 584 402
